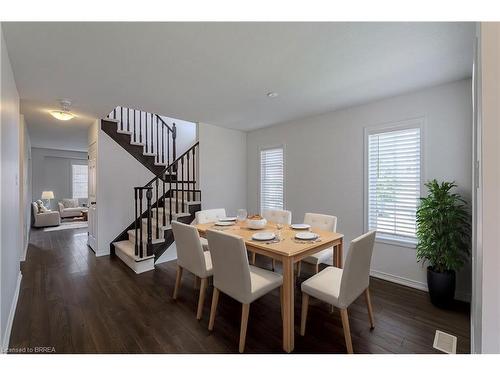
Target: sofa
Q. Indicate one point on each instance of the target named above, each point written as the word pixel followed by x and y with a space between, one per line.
pixel 70 208
pixel 44 218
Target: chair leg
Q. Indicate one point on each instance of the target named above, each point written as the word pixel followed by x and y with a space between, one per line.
pixel 274 264
pixel 303 317
pixel 177 281
pixel 201 298
pixel 245 309
pixel 370 309
pixel 347 330
pixel 299 266
pixel 213 309
pixel 316 269
pixel 254 255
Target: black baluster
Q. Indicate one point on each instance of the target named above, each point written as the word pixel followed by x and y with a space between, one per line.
pixel 157 141
pixel 176 190
pixel 170 193
pixel 114 114
pixel 174 148
pixel 168 146
pixel 163 144
pixel 194 174
pixel 136 245
pixel 189 183
pixel 152 135
pixel 149 247
pixel 163 197
pixel 140 126
pixel 141 250
pixel 121 118
pixel 182 183
pixel 128 119
pixel 157 226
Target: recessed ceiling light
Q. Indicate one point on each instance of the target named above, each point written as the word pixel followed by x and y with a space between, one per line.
pixel 63 114
pixel 272 94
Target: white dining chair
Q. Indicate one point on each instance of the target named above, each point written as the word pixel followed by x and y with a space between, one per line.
pixel 322 222
pixel 278 217
pixel 235 277
pixel 208 216
pixel 341 287
pixel 191 257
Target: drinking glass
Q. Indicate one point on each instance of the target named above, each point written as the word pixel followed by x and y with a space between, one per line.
pixel 242 214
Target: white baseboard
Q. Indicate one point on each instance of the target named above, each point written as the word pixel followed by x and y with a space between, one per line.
pixel 399 280
pixel 459 295
pixel 25 251
pixel 12 312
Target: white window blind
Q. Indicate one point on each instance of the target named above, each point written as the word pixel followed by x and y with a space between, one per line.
pixel 271 179
pixel 393 182
pixel 79 180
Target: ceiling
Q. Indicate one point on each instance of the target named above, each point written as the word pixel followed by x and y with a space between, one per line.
pixel 219 73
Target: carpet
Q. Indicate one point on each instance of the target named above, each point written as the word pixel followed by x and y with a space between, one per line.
pixel 67 225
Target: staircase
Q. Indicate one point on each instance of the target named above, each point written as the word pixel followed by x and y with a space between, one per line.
pixel 172 194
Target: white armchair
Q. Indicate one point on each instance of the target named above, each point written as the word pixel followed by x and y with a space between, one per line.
pixel 45 219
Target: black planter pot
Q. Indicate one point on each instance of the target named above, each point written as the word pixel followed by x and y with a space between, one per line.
pixel 441 287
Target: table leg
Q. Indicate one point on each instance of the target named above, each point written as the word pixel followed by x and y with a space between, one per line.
pixel 288 305
pixel 340 255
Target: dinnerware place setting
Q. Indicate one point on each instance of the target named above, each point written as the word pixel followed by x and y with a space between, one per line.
pixel 304 234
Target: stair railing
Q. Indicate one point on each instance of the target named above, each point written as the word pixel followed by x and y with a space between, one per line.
pixel 172 189
pixel 149 130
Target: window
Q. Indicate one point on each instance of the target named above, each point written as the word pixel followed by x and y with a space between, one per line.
pixel 271 179
pixel 393 181
pixel 79 178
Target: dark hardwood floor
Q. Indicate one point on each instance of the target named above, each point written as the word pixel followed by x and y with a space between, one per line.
pixel 73 302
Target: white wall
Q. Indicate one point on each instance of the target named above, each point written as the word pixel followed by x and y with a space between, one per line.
pixel 52 171
pixel 222 168
pixel 324 165
pixel 117 175
pixel 25 186
pixel 10 274
pixel 490 187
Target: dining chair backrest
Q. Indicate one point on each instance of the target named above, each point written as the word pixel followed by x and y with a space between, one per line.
pixel 189 249
pixel 278 216
pixel 209 216
pixel 356 273
pixel 322 222
pixel 231 271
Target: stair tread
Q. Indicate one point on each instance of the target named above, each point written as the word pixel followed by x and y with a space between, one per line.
pixel 128 248
pixel 131 233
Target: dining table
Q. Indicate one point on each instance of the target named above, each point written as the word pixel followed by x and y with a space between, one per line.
pixel 288 250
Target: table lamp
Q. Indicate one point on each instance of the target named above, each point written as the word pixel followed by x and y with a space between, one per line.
pixel 48 195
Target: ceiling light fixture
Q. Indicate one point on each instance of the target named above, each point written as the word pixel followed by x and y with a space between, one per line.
pixel 63 114
pixel 272 94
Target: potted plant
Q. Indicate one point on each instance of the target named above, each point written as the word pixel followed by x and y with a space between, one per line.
pixel 443 233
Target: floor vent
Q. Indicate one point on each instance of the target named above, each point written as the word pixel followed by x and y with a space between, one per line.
pixel 445 342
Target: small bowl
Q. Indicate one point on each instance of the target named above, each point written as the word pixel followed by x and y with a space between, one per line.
pixel 256 224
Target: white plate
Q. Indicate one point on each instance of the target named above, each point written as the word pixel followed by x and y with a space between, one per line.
pixel 263 236
pixel 231 218
pixel 224 223
pixel 300 226
pixel 306 236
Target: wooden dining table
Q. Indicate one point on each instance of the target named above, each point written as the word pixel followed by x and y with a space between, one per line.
pixel 288 251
